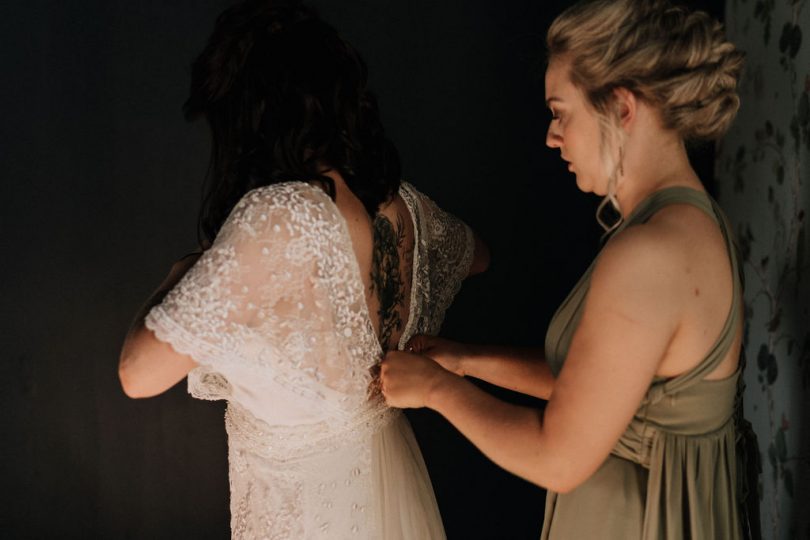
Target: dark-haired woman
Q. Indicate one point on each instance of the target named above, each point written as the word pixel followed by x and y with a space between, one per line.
pixel 639 439
pixel 317 261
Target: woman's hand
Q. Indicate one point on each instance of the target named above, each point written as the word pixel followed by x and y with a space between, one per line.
pixel 407 379
pixel 451 355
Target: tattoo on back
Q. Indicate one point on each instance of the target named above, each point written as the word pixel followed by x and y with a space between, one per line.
pixel 386 281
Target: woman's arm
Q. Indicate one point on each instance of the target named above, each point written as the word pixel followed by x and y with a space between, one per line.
pixel 507 434
pixel 148 366
pixel 521 369
pixel 480 260
pixel 630 316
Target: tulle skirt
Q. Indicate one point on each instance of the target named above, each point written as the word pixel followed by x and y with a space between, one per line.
pixel 406 507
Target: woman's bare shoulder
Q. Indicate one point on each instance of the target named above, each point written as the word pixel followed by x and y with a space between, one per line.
pixel 650 246
pixel 642 269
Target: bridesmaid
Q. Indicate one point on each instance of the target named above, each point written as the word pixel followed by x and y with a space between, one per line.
pixel 641 362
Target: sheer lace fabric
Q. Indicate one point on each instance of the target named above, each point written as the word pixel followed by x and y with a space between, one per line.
pixel 275 315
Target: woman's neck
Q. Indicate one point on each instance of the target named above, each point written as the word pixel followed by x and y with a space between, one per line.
pixel 653 166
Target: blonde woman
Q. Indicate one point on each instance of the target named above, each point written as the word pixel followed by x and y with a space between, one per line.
pixel 641 361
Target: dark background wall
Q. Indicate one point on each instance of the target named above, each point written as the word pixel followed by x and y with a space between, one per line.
pixel 100 189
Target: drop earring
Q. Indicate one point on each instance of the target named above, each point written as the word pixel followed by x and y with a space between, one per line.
pixel 611 197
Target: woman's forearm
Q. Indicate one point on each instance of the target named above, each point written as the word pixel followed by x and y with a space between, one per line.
pixel 522 369
pixel 510 435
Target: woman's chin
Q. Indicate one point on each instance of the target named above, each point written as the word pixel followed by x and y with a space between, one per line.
pixel 583 185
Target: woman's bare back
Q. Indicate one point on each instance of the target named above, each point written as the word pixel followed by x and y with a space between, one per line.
pixel 384 248
pixel 704 285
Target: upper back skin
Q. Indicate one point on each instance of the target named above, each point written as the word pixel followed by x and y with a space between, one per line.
pixel 385 262
pixel 701 285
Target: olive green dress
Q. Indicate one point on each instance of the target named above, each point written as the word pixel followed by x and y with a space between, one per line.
pixel 673 473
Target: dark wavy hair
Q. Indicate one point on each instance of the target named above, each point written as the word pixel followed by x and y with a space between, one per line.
pixel 285 97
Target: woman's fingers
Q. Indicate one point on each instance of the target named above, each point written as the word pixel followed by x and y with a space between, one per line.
pixel 418 344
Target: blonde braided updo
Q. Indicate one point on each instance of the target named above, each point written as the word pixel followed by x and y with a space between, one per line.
pixel 676 60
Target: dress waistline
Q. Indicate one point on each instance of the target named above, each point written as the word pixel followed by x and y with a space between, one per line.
pixel 294 443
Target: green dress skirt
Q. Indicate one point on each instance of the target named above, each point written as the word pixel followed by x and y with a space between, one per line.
pixel 674 472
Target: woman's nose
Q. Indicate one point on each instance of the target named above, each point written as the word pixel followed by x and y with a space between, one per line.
pixel 553 139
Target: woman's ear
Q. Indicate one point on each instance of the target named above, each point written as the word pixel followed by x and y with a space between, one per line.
pixel 626 106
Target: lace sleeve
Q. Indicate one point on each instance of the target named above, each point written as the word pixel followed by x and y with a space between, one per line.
pixel 265 295
pixel 447 247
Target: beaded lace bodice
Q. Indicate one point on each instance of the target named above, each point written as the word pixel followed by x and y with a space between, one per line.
pixel 274 313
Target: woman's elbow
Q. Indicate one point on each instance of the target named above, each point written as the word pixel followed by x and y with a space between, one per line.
pixel 130 382
pixel 134 373
pixel 560 476
pixel 481 257
pixel 148 367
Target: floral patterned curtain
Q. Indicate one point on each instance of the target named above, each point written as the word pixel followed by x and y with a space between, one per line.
pixel 763 172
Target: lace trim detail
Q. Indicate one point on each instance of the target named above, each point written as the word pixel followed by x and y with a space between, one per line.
pixel 204 383
pixel 168 331
pixel 285 444
pixel 418 275
pixel 443 262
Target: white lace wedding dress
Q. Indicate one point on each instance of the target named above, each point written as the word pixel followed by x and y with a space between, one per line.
pixel 275 315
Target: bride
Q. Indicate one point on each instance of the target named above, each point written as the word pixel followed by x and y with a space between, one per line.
pixel 316 261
